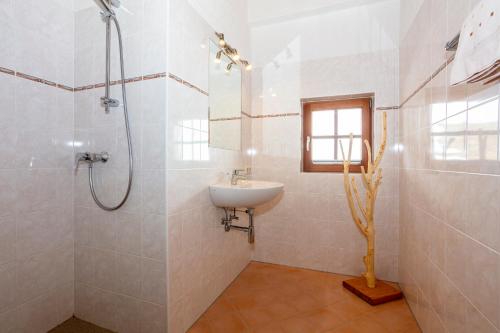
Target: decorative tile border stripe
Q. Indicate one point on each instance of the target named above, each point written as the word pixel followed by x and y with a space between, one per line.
pixel 129 80
pixel 192 86
pixel 154 76
pixel 7 71
pixel 226 119
pixel 12 72
pixel 277 115
pixel 427 80
pixel 186 83
pixel 65 87
pixel 34 79
pixel 293 114
pixel 387 108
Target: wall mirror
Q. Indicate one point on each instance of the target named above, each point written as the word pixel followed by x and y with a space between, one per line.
pixel 225 100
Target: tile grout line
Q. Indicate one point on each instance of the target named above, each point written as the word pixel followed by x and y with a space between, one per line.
pixel 453 171
pixel 447 223
pixel 39 296
pixel 118 293
pixel 445 274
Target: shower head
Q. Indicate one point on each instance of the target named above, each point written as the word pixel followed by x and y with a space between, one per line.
pixel 107 5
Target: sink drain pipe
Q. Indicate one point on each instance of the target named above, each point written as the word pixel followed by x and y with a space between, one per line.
pixel 227 221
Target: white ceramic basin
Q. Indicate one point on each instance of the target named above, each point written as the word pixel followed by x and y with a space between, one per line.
pixel 247 194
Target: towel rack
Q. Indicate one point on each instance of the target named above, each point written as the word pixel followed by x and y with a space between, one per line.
pixel 452 45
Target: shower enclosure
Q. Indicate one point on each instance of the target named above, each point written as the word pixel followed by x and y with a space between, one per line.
pixel 119 104
pixel 61 254
pixel 109 16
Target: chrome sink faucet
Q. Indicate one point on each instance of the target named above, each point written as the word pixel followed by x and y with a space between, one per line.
pixel 239 174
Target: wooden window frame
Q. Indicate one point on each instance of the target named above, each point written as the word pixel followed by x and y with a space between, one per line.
pixel 366 132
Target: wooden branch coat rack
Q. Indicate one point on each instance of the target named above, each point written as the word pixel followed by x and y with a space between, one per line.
pixel 371 290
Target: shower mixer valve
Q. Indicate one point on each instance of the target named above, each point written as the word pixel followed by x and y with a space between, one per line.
pixel 91 158
pixel 109 102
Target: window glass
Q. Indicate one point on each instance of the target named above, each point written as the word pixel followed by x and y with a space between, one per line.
pixel 323 150
pixel 323 123
pixel 349 121
pixel 356 152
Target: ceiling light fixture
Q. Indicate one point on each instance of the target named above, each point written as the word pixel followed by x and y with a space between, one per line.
pixel 217 57
pixel 248 66
pixel 222 41
pixel 232 53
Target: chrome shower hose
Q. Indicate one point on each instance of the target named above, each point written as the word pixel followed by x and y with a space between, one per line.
pixel 108 19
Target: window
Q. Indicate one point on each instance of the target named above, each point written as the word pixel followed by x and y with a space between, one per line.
pixel 326 124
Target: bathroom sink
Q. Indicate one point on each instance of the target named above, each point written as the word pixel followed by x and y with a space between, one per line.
pixel 246 194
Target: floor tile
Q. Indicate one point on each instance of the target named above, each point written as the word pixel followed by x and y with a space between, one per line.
pixel 360 325
pixel 201 326
pixel 325 319
pixel 230 322
pixel 268 298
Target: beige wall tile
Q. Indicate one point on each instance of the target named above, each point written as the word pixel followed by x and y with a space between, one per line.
pixel 455 246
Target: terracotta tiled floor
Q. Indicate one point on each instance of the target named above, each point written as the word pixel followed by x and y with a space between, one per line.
pixel 278 299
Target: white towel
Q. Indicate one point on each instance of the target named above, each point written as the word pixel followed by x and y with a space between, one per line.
pixel 478 54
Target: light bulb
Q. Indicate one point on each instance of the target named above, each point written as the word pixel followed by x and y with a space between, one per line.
pixel 222 42
pixel 236 56
pixel 248 67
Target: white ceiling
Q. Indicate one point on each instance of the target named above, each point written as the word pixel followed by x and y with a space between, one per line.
pixel 265 11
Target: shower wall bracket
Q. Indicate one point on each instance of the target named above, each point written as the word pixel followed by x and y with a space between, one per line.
pixel 227 221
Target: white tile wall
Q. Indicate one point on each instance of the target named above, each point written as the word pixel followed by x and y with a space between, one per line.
pixel 449 247
pixel 114 273
pixel 36 125
pixel 30 44
pixel 202 258
pixel 309 225
pixel 120 257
